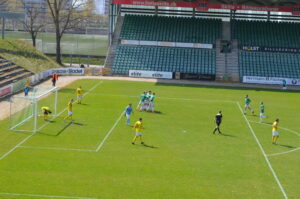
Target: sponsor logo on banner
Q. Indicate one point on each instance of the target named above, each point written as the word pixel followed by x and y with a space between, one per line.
pixel 150 74
pixel 271 49
pixel 6 90
pixel 68 71
pixel 270 80
pixel 169 44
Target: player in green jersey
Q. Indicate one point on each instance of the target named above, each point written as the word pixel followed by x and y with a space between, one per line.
pixel 262 111
pixel 151 102
pixel 142 101
pixel 247 105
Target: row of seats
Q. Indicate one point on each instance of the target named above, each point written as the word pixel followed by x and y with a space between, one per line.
pixel 269 34
pixel 10 73
pixel 171 29
pixel 267 64
pixel 169 59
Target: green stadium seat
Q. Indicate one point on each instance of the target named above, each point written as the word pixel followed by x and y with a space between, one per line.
pixel 169 59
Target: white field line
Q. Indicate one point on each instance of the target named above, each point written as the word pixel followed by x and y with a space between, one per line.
pixel 289 130
pixel 263 152
pixel 44 196
pixel 109 132
pixel 26 138
pixel 281 153
pixel 56 148
pixel 170 98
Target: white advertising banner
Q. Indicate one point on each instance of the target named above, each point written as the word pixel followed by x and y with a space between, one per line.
pixel 150 74
pixel 184 45
pixel 148 43
pixel 168 44
pixel 130 42
pixel 270 80
pixel 68 71
pixel 206 46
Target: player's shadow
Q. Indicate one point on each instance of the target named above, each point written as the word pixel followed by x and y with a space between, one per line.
pixel 83 104
pixel 149 146
pixel 155 112
pixel 67 90
pixel 286 146
pixel 63 129
pixel 228 135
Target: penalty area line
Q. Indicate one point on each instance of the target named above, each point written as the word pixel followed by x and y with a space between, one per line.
pixel 44 196
pixel 56 148
pixel 289 130
pixel 281 153
pixel 109 132
pixel 263 152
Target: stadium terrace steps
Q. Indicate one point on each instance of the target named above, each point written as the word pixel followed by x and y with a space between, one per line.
pixel 114 44
pixel 10 73
pixel 266 33
pixel 226 31
pixel 227 65
pixel 169 59
pixel 171 29
pixel 265 64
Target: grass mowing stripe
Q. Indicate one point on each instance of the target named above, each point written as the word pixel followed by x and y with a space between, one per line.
pixel 14 148
pixel 281 153
pixel 44 196
pixel 170 98
pixel 56 148
pixel 109 132
pixel 292 131
pixel 26 138
pixel 263 152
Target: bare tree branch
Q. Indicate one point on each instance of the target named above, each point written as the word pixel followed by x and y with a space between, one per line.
pixel 33 21
pixel 66 15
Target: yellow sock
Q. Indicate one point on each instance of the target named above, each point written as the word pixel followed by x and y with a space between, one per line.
pixel 134 139
pixel 276 138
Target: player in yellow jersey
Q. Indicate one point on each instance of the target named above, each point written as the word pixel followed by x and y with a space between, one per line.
pixel 46 111
pixel 70 110
pixel 79 94
pixel 138 131
pixel 275 134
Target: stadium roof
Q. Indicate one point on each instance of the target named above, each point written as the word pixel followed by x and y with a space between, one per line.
pixel 259 2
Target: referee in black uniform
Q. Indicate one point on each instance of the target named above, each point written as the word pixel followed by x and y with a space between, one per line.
pixel 218 120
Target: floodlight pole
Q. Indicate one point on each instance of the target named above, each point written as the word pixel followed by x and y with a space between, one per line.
pixel 35 115
pixel 55 105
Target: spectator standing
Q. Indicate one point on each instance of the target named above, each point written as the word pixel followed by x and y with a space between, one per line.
pixel 54 78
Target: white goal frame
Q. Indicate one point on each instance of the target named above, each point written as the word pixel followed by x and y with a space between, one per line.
pixel 33 99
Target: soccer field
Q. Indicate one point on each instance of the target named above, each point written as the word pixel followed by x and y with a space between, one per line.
pixel 80 44
pixel 94 158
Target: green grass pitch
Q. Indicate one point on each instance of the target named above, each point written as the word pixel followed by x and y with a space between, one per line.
pixel 183 158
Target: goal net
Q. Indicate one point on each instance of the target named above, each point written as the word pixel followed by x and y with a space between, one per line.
pixel 26 111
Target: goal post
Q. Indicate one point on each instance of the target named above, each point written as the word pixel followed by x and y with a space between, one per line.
pixel 26 111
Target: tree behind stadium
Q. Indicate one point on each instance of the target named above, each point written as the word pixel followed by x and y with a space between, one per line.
pixel 66 15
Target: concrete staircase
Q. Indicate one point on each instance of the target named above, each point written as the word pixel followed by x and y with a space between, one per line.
pixel 227 64
pixel 115 42
pixel 232 62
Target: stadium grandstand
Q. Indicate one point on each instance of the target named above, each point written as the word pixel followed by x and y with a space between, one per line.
pixel 210 39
